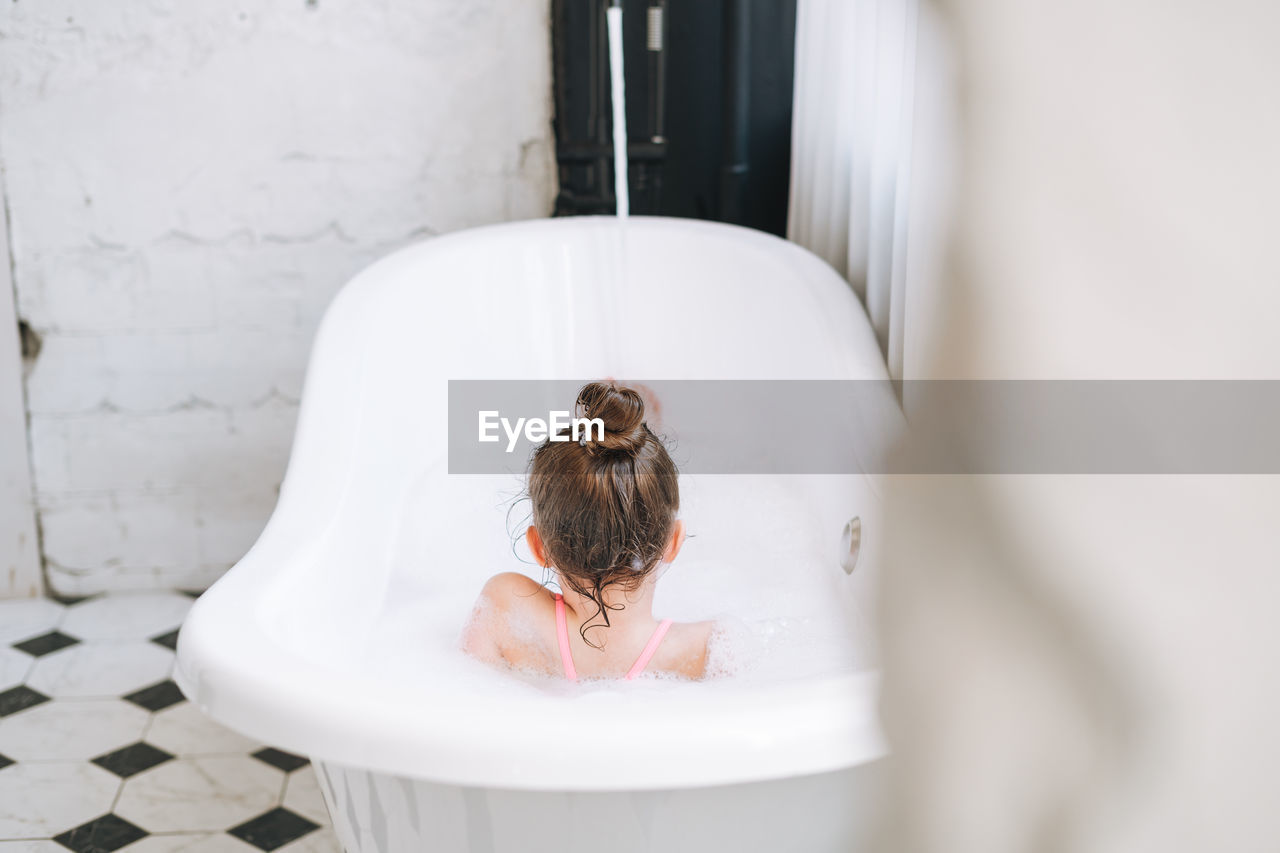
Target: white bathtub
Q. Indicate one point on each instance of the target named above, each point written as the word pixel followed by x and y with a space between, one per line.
pixel 324 640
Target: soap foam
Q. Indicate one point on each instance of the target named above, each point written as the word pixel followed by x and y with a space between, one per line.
pixel 761 561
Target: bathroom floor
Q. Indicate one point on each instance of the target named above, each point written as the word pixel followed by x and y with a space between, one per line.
pixel 100 752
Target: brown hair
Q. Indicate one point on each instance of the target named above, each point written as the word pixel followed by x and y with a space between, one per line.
pixel 605 506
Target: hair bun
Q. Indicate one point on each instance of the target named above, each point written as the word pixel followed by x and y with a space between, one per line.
pixel 622 411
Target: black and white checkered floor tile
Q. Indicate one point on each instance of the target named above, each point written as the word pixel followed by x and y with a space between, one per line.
pixel 100 752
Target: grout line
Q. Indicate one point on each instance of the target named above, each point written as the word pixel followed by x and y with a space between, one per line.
pixel 146 727
pixel 31 667
pixel 116 799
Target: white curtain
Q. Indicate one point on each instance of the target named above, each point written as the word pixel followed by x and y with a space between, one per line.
pixel 851 139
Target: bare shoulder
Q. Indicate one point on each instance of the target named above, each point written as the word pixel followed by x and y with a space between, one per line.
pixel 510 589
pixel 689 648
pixel 698 632
pixel 502 596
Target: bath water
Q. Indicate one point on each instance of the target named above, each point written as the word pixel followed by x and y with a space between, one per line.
pixel 762 559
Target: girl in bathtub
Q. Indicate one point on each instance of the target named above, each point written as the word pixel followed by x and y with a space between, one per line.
pixel 604 522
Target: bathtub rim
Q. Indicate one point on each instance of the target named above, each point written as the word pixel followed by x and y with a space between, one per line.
pixel 791 729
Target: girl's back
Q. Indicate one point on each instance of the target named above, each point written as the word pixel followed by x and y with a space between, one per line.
pixel 604 513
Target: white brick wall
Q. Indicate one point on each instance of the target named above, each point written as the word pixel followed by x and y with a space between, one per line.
pixel 189 184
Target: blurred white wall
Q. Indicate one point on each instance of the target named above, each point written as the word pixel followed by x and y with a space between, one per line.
pixel 1092 663
pixel 188 185
pixel 1121 191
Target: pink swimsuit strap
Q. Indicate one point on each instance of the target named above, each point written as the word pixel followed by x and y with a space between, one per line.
pixel 566 658
pixel 649 648
pixel 562 632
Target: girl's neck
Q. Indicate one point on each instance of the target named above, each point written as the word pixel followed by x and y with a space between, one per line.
pixel 624 608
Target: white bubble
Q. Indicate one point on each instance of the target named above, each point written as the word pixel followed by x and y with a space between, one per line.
pixel 762 561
